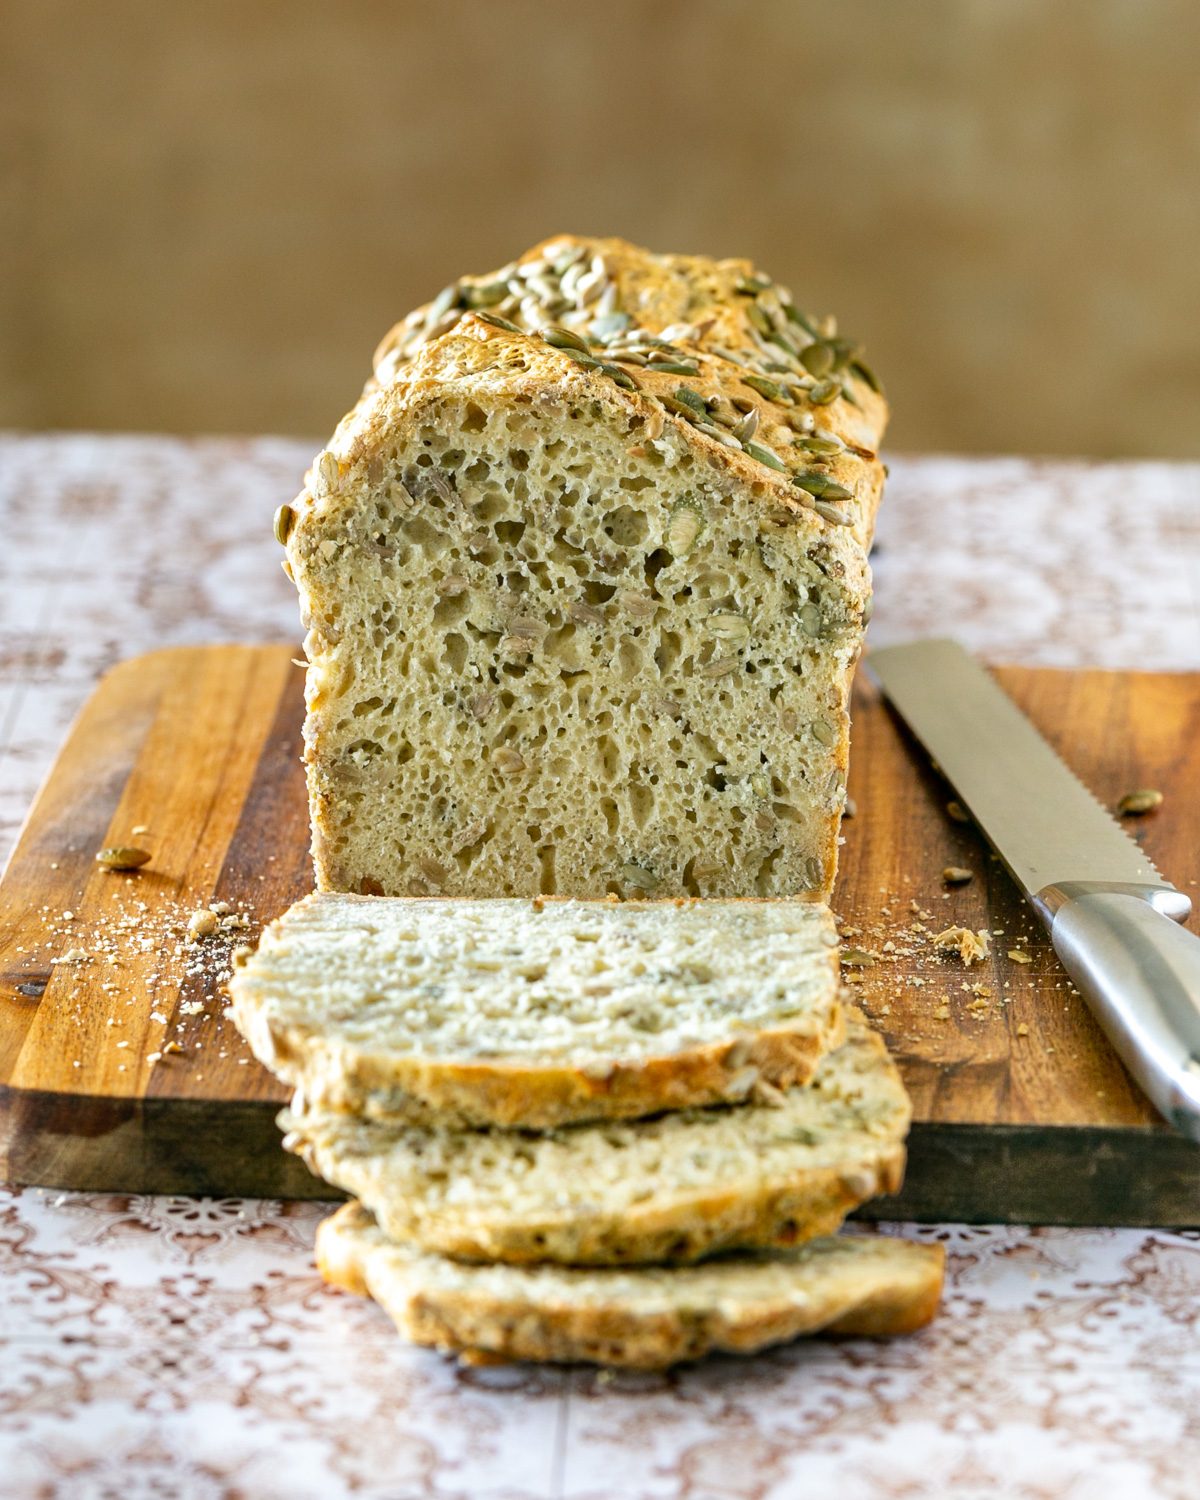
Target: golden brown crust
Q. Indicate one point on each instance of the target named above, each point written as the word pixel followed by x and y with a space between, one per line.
pixel 775 1173
pixel 865 1287
pixel 453 1091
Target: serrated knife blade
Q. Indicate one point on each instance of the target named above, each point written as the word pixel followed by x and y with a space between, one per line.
pixel 1111 916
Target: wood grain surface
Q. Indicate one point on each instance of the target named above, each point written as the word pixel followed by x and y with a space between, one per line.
pixel 119 1071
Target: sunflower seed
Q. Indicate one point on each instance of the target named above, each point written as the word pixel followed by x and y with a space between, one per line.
pixel 747 426
pixel 809 616
pixel 824 732
pixel 326 473
pixel 482 705
pixel 585 614
pixel 642 880
pixel 727 626
pixel 720 666
pixel 507 760
pixel 638 605
pixel 718 434
pixel 831 514
pixel 451 587
pixel 285 519
pixel 608 324
pixel 957 875
pixel 684 526
pixel 814 871
pixel 123 857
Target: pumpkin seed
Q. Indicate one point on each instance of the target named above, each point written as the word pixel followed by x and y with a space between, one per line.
pixel 486 295
pixel 123 857
pixel 1134 804
pixel 588 361
pixel 691 399
pixel 765 456
pixel 824 392
pixel 817 359
pixel 758 317
pixel 620 377
pixel 866 375
pixel 768 388
pixel 673 367
pixel 794 315
pixel 684 527
pixel 857 958
pixel 497 321
pixel 285 519
pixel 821 486
pixel 448 297
pixel 563 338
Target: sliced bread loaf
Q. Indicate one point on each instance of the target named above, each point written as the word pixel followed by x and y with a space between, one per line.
pixel 507 1012
pixel 646 1318
pixel 671 1188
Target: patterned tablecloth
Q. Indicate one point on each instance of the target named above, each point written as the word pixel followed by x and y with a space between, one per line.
pixel 180 1348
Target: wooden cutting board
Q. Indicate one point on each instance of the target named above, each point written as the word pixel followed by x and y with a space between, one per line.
pixel 1022 1111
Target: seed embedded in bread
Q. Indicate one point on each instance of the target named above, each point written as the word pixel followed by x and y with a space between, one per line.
pixel 538 1014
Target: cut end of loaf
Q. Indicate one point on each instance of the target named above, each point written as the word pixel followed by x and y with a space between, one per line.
pixel 579 626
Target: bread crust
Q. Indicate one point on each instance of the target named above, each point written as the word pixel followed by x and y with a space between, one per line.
pixel 868 1286
pixel 767 1204
pixel 422 1089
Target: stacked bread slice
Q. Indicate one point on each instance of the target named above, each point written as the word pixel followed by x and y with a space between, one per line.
pixel 624 1132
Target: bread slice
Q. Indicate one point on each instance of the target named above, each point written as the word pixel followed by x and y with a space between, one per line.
pixel 646 1318
pixel 538 1014
pixel 671 1188
pixel 583 602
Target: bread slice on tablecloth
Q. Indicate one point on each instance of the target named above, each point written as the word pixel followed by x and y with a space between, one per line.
pixel 644 1318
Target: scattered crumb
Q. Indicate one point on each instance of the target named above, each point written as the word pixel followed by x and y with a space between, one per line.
pixel 957 813
pixel 957 875
pixel 1022 1029
pixel 1018 957
pixel 971 947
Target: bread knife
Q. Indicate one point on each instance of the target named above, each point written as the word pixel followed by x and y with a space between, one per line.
pixel 1110 915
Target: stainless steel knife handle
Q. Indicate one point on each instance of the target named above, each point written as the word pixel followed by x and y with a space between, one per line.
pixel 1140 973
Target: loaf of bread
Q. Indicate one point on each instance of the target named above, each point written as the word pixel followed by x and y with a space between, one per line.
pixel 645 1318
pixel 584 577
pixel 672 1188
pixel 538 1013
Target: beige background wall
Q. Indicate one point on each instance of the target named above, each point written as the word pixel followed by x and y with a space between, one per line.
pixel 212 210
